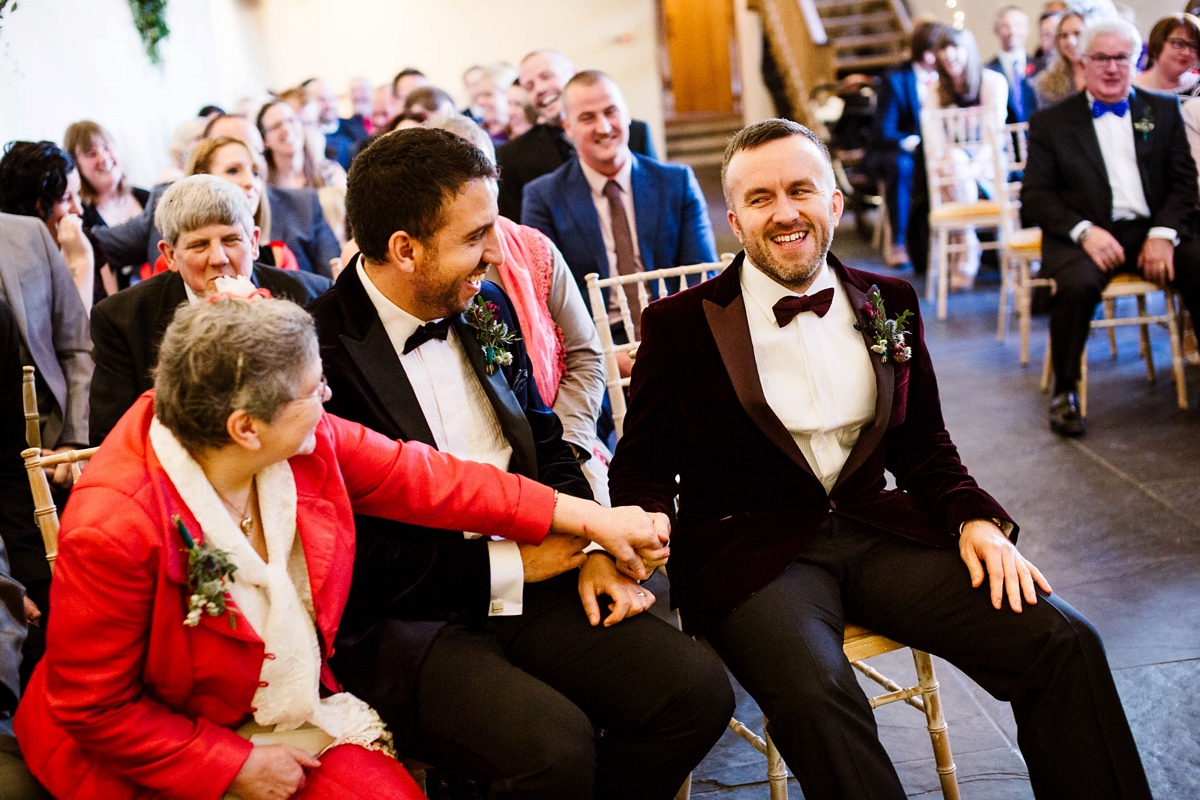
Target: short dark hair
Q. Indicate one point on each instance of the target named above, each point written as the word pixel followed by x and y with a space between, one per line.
pixel 209 110
pixel 1164 28
pixel 924 38
pixel 33 177
pixel 403 180
pixel 427 97
pixel 755 136
pixel 404 73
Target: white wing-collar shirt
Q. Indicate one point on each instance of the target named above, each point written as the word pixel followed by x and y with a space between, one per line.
pixel 462 421
pixel 815 371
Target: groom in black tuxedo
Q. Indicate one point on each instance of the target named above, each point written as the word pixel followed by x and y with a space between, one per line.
pixel 479 655
pixel 1112 184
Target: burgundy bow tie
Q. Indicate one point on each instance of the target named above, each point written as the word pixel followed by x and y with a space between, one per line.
pixel 787 308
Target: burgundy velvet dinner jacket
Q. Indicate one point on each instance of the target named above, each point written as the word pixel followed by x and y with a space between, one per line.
pixel 747 496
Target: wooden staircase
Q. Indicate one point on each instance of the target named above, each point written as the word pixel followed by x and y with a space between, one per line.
pixel 867 35
pixel 700 141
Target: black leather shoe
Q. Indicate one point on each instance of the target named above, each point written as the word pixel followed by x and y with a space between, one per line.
pixel 1064 415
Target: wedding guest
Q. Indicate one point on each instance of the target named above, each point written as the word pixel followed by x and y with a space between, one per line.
pixel 521 115
pixel 1065 74
pixel 291 163
pixel 1047 34
pixel 383 108
pixel 428 101
pixel 340 134
pixel 208 232
pixel 182 139
pixel 1011 29
pixel 233 459
pixel 297 218
pixel 404 83
pixel 108 199
pixel 964 83
pixel 471 77
pixel 1172 53
pixel 360 99
pixel 491 95
pixel 37 179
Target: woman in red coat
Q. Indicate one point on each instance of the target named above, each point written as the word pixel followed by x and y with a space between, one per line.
pixel 205 558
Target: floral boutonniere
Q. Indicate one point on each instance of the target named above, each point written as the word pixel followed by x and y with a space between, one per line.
pixel 493 334
pixel 1145 124
pixel 208 568
pixel 888 333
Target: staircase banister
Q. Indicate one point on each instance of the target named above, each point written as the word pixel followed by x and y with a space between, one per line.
pixel 900 7
pixel 812 18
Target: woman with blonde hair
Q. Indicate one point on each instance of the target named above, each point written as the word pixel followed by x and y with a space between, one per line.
pixel 1064 77
pixel 108 199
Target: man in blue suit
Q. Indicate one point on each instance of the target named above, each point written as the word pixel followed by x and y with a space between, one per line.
pixel 896 152
pixel 609 210
pixel 1012 29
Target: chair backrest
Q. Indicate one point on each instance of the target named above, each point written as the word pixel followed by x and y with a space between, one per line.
pixel 45 513
pixel 952 138
pixel 1011 144
pixel 658 278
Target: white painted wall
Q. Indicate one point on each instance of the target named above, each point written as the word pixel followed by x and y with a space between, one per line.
pixel 981 13
pixel 68 60
pixel 339 39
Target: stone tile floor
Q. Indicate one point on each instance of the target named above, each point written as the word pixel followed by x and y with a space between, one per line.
pixel 1113 519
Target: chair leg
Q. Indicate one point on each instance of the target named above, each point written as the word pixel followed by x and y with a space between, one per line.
pixel 1083 382
pixel 1023 301
pixel 1110 311
pixel 1144 348
pixel 943 284
pixel 931 277
pixel 1176 353
pixel 1046 368
pixel 1006 286
pixel 685 791
pixel 776 769
pixel 935 722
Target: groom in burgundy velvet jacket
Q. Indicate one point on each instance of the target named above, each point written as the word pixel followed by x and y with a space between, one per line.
pixel 770 416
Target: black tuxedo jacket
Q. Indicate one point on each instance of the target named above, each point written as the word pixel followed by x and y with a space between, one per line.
pixel 1028 95
pixel 128 326
pixel 747 496
pixel 543 149
pixel 1066 181
pixel 408 580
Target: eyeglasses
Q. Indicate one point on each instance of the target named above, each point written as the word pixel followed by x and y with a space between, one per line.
pixel 1121 61
pixel 1184 44
pixel 318 395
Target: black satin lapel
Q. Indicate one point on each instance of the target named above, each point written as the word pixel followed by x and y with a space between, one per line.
pixel 885 385
pixel 377 361
pixel 508 410
pixel 732 334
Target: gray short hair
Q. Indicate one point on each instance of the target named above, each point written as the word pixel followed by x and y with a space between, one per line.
pixel 218 357
pixel 199 200
pixel 465 128
pixel 1111 25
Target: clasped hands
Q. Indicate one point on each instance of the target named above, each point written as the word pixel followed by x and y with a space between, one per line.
pixel 1156 259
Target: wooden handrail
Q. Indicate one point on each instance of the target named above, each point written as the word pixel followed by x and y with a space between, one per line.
pixel 900 8
pixel 812 18
pixel 798 41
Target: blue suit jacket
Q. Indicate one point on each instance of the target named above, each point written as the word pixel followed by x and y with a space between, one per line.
pixel 670 214
pixel 1029 102
pixel 899 105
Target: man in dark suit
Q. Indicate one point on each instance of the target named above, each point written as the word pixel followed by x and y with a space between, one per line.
pixel 128 326
pixel 1012 28
pixel 544 147
pixel 771 415
pixel 1112 184
pixel 896 153
pixel 340 134
pixel 611 211
pixel 478 654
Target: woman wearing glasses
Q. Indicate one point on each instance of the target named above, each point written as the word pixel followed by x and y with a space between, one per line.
pixel 1172 56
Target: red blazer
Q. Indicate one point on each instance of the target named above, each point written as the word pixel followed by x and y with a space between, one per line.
pixel 747 496
pixel 130 703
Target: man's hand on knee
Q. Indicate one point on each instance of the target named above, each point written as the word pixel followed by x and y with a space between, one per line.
pixel 600 577
pixel 986 550
pixel 558 553
pixel 1103 248
pixel 1157 260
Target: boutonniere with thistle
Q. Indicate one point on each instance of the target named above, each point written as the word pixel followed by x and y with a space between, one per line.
pixel 888 333
pixel 208 569
pixel 1145 124
pixel 493 335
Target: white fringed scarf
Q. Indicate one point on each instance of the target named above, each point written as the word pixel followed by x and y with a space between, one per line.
pixel 275 599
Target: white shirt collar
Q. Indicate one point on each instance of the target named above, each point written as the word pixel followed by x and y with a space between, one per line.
pixel 398 323
pixel 596 181
pixel 765 292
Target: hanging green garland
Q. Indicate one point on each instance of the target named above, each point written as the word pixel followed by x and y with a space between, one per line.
pixel 150 19
pixel 4 6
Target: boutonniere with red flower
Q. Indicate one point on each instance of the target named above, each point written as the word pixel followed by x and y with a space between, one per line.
pixel 888 333
pixel 208 569
pixel 493 335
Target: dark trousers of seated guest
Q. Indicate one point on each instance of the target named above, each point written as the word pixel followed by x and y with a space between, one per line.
pixel 908 204
pixel 545 707
pixel 1079 282
pixel 784 645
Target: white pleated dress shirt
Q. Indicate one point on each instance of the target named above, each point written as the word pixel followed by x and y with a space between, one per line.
pixel 462 421
pixel 815 371
pixel 1120 162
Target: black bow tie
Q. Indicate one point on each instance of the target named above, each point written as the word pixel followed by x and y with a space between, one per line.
pixel 430 330
pixel 787 308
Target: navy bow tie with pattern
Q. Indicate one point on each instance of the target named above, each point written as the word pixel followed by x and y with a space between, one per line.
pixel 430 330
pixel 787 308
pixel 1119 108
